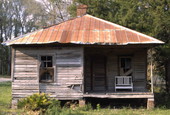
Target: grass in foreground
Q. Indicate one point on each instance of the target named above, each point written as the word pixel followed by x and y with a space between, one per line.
pixel 5 99
pixel 5 96
pixel 124 111
pixel 5 103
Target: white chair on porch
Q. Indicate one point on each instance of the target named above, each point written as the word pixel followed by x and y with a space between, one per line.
pixel 123 82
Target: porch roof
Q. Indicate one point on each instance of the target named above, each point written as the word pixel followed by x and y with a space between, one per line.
pixel 86 29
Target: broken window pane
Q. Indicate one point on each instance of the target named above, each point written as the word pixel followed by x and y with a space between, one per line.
pixel 46 76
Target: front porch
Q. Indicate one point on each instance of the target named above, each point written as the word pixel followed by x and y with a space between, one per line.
pixel 115 70
pixel 117 95
pixel 116 73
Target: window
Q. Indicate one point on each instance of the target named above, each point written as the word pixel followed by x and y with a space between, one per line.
pixel 125 66
pixel 46 61
pixel 46 69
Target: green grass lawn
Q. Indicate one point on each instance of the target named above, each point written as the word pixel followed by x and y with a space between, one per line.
pixel 125 111
pixel 5 104
pixel 5 97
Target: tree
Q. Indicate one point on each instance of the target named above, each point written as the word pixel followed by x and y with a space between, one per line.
pixel 56 10
pixel 17 17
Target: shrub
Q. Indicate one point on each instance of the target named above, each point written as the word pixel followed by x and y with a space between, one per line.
pixel 54 108
pixel 38 102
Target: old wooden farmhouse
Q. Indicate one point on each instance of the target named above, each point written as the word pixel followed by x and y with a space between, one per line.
pixel 79 58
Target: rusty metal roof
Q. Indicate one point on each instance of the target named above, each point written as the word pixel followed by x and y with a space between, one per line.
pixel 85 30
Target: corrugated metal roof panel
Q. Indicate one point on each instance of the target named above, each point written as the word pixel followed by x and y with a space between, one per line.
pixel 85 30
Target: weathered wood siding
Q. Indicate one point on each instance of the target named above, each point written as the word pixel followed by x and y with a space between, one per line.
pixel 68 76
pixel 140 70
pixel 139 66
pixel 68 71
pixel 112 71
pixel 24 72
pixel 87 73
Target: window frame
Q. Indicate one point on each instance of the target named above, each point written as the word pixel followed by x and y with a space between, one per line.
pixel 119 63
pixel 53 67
pixel 46 61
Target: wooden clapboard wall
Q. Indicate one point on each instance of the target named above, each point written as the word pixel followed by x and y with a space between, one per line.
pixel 24 72
pixel 140 70
pixel 68 76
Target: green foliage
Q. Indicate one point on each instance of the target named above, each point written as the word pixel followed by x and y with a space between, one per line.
pixel 54 108
pixel 162 100
pixel 72 10
pixel 38 102
pixel 98 107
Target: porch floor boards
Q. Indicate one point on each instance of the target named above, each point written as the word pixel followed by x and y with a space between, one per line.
pixel 117 95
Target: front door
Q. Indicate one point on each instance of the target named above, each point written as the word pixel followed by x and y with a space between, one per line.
pixel 98 73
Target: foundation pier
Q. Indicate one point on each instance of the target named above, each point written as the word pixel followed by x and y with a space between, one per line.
pixel 82 102
pixel 150 103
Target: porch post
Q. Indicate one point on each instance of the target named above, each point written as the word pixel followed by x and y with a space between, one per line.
pixel 151 73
